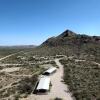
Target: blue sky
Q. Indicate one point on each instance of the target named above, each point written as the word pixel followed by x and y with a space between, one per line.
pixel 33 21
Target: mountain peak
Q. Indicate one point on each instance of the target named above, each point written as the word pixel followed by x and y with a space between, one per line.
pixel 67 33
pixel 71 38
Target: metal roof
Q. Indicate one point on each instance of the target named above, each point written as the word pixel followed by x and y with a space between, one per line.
pixel 51 70
pixel 44 83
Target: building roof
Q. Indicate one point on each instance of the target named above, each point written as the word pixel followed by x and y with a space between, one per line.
pixel 51 70
pixel 44 83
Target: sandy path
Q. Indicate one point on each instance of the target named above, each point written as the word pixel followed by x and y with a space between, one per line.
pixel 58 88
pixel 11 65
pixel 9 56
pixel 10 69
pixel 96 63
pixel 78 60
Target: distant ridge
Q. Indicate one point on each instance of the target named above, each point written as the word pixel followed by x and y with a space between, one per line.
pixel 19 46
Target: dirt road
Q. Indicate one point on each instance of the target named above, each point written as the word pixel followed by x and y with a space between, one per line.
pixel 58 88
pixel 9 55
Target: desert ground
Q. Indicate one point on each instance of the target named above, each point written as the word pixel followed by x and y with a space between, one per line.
pixel 13 72
pixel 59 89
pixel 75 77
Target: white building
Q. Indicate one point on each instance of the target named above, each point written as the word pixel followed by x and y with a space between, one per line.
pixel 50 71
pixel 43 85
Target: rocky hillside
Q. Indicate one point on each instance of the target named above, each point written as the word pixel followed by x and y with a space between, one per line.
pixel 70 38
pixel 70 43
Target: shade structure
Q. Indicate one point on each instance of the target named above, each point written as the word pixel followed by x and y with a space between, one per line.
pixel 44 84
pixel 50 71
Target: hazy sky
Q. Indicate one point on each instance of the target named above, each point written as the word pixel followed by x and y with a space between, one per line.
pixel 33 21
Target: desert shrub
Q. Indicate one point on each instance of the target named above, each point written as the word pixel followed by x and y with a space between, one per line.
pixel 83 79
pixel 26 85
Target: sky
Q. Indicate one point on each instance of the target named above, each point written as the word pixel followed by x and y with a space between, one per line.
pixel 27 22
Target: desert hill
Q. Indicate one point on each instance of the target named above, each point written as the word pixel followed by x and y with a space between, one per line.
pixel 71 38
pixel 70 43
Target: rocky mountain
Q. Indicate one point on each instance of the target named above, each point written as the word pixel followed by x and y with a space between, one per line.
pixel 71 38
pixel 70 43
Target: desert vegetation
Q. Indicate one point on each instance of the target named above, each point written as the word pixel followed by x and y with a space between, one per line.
pixel 18 89
pixel 4 51
pixel 83 78
pixel 80 56
pixel 19 83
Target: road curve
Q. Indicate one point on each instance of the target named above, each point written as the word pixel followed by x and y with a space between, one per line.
pixel 59 89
